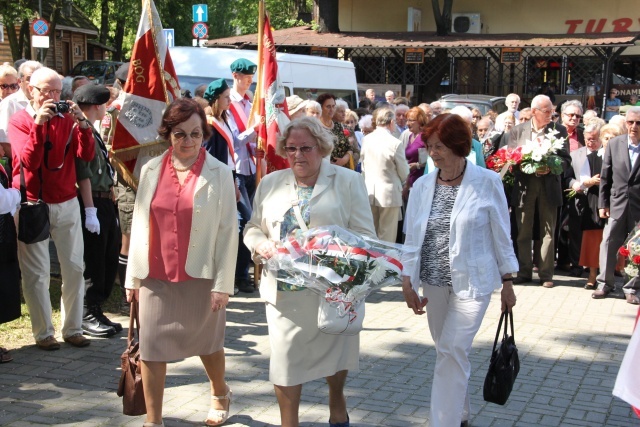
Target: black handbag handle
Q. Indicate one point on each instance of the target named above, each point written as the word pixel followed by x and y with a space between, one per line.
pixel 506 317
pixel 23 184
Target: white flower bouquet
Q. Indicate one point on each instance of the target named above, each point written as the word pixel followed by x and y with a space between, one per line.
pixel 540 155
pixel 338 265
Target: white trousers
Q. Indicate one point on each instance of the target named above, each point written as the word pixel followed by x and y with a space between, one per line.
pixel 453 323
pixel 35 265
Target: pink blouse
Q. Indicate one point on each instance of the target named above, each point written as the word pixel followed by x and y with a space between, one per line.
pixel 170 221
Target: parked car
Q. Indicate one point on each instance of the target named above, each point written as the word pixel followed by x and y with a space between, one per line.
pixel 99 72
pixel 483 103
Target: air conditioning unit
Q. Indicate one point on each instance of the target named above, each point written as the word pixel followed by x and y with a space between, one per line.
pixel 468 23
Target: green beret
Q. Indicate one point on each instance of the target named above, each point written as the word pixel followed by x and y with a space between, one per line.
pixel 215 89
pixel 91 94
pixel 243 66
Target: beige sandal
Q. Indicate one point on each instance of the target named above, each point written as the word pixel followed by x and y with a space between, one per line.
pixel 217 417
pixel 150 424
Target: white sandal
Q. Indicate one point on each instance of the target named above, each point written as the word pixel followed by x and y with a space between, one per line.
pixel 150 424
pixel 218 414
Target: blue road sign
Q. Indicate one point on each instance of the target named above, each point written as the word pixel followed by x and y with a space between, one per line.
pixel 200 13
pixel 169 37
pixel 40 27
pixel 200 30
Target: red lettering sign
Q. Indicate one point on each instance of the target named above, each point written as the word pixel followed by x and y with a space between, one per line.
pixel 620 25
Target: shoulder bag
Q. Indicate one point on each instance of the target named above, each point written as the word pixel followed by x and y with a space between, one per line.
pixel 130 386
pixel 504 365
pixel 33 217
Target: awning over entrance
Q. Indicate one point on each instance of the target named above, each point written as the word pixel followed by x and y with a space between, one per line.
pixel 306 36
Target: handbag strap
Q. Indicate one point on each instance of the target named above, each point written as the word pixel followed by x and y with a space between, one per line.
pixel 295 204
pixel 504 316
pixel 48 146
pixel 23 184
pixel 134 320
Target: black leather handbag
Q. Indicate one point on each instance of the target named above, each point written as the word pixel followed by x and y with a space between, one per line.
pixel 33 217
pixel 504 365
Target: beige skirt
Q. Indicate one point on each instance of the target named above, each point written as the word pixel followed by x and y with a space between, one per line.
pixel 299 351
pixel 176 320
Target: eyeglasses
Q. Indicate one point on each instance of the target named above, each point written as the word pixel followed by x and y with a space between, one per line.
pixel 544 111
pixel 13 86
pixel 633 122
pixel 304 149
pixel 180 136
pixel 48 92
pixel 477 117
pixel 573 115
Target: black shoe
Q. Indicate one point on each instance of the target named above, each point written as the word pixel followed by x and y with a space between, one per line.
pixel 520 280
pixel 93 327
pixel 244 285
pixel 576 271
pixel 97 312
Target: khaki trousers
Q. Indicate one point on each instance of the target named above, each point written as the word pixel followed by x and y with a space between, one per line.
pixel 548 216
pixel 386 222
pixel 66 232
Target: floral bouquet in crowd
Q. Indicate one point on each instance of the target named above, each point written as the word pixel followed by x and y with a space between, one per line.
pixel 503 161
pixel 631 251
pixel 340 266
pixel 539 155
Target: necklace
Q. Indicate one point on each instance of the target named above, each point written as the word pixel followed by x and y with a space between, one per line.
pixel 329 126
pixel 186 168
pixel 453 179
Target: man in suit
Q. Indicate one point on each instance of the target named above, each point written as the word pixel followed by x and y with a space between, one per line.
pixel 385 168
pixel 541 190
pixel 619 202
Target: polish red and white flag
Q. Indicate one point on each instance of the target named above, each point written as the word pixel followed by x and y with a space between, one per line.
pixel 151 85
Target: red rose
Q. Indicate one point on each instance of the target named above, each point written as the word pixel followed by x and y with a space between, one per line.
pixel 636 259
pixel 624 251
pixel 346 132
pixel 516 155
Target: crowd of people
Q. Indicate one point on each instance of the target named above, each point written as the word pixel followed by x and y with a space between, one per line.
pixel 180 239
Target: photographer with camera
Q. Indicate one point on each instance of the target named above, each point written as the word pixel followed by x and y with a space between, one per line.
pixel 46 138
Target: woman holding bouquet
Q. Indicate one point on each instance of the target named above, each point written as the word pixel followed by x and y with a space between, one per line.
pixel 184 239
pixel 459 218
pixel 319 193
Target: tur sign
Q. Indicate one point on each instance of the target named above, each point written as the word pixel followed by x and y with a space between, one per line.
pixel 200 13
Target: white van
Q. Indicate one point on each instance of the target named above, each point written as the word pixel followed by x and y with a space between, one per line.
pixel 302 75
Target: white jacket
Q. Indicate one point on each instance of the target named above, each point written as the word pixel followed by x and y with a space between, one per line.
pixel 480 247
pixel 213 243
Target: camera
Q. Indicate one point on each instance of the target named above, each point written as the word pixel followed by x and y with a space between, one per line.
pixel 61 107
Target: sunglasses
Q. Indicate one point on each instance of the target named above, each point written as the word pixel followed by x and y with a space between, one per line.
pixel 303 149
pixel 573 115
pixel 633 122
pixel 13 86
pixel 181 136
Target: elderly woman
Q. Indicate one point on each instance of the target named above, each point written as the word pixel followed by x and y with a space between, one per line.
pixel 416 122
pixel 184 239
pixel 324 194
pixel 313 109
pixel 459 218
pixel 342 153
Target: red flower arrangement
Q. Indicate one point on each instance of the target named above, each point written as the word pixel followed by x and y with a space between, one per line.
pixel 631 251
pixel 503 161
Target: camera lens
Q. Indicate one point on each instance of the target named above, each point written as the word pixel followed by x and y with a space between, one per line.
pixel 62 107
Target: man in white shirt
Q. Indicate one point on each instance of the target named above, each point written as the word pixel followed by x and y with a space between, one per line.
pixel 389 96
pixel 244 146
pixel 16 102
pixel 512 102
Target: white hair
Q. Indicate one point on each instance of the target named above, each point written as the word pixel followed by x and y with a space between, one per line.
pixel 538 101
pixel 365 121
pixel 511 96
pixel 572 103
pixel 402 107
pixel 463 112
pixel 314 106
pixel 341 103
pixel 435 104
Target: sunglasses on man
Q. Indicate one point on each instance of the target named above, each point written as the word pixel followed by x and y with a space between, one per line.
pixel 13 86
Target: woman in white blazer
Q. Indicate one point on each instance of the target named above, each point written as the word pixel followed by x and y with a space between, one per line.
pixel 184 241
pixel 325 194
pixel 459 218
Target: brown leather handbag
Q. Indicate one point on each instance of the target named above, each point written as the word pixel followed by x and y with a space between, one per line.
pixel 130 386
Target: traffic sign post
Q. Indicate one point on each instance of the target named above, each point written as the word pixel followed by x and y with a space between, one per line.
pixel 200 30
pixel 200 13
pixel 169 37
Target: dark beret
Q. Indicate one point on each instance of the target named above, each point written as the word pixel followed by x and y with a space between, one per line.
pixel 91 94
pixel 215 89
pixel 243 66
pixel 122 72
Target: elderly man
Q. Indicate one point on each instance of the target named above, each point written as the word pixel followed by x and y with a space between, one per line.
pixel 571 115
pixel 244 145
pixel 512 101
pixel 619 202
pixel 436 108
pixel 370 94
pixel 16 102
pixel 46 144
pixel 385 168
pixel 541 190
pixel 389 96
pixel 401 120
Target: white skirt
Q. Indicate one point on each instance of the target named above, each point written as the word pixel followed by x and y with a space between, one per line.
pixel 299 351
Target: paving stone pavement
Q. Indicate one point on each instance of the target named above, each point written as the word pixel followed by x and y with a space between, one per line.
pixel 570 350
